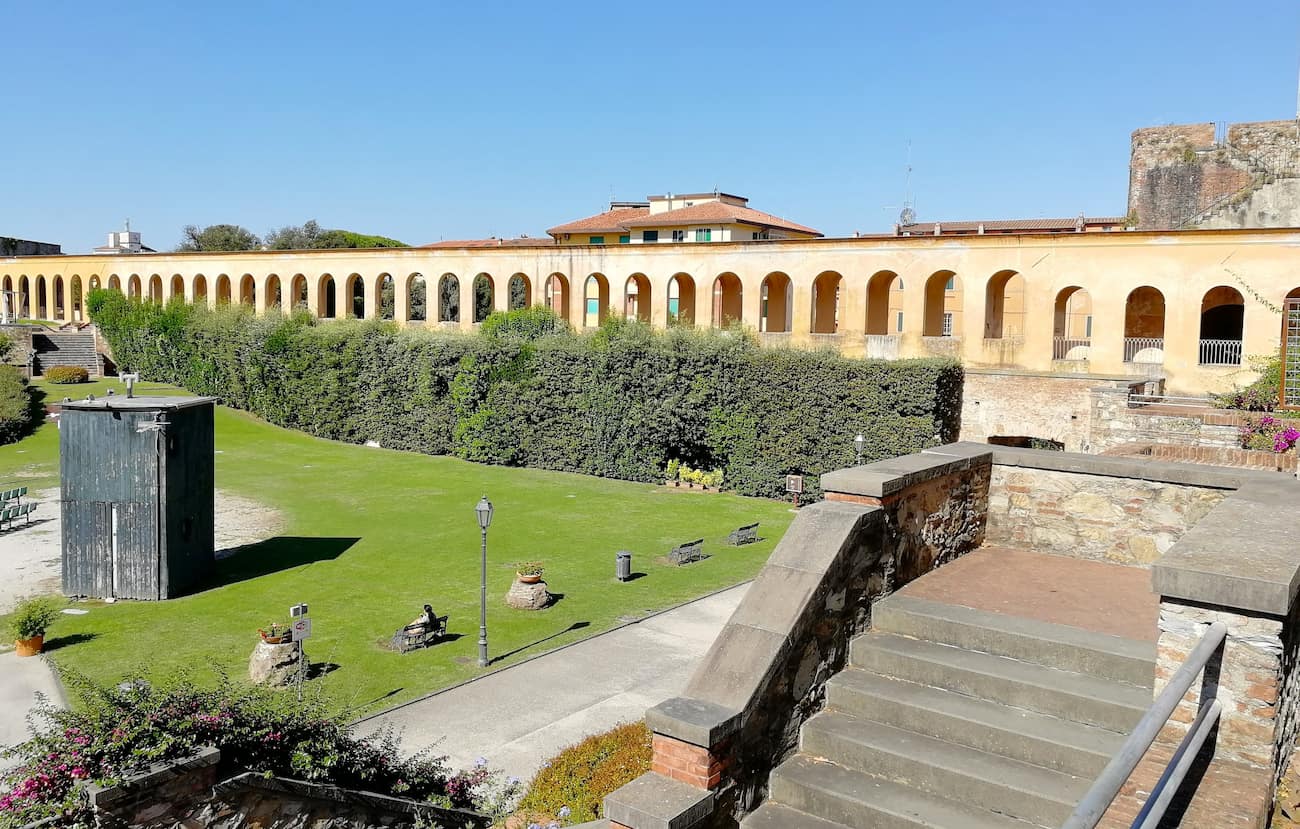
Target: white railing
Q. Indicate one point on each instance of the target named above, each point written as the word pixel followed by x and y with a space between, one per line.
pixel 1135 346
pixel 1220 352
pixel 1071 348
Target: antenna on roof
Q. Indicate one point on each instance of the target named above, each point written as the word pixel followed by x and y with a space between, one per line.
pixel 907 215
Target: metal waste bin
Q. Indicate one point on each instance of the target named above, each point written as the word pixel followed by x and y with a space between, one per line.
pixel 624 565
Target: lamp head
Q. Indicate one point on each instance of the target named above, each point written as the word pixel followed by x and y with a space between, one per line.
pixel 484 512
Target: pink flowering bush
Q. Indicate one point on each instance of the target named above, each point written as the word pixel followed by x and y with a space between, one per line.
pixel 111 733
pixel 1270 435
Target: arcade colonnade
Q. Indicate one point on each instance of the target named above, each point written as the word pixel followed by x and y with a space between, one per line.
pixel 1189 305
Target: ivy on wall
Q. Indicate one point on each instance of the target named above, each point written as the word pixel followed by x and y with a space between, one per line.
pixel 621 402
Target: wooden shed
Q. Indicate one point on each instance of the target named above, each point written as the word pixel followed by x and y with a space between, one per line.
pixel 138 493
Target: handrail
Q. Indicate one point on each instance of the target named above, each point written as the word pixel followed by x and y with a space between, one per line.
pixel 1117 772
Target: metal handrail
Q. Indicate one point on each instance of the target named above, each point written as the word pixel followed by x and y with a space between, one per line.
pixel 1117 772
pixel 1169 400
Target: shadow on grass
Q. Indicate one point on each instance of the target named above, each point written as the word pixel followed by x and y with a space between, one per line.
pixel 67 641
pixel 252 561
pixel 635 576
pixel 542 641
pixel 316 669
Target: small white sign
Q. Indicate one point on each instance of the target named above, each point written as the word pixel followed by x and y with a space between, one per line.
pixel 301 629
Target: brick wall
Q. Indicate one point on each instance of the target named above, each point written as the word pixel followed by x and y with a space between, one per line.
pixel 1023 404
pixel 1212 455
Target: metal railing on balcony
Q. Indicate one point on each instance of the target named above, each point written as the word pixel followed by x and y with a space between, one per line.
pixel 1071 348
pixel 1117 772
pixel 1220 352
pixel 1144 349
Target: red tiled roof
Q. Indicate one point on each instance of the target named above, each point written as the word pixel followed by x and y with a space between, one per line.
pixel 611 221
pixel 718 212
pixel 521 242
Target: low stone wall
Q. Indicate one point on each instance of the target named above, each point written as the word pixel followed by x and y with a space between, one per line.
pixel 1096 516
pixel 1212 455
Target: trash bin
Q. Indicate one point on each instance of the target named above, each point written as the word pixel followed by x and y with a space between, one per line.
pixel 624 565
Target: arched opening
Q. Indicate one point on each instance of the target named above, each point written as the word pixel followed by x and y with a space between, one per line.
pixel 519 292
pixel 417 298
pixel 1072 324
pixel 727 298
pixel 1144 326
pixel 1004 306
pixel 1223 319
pixel 75 298
pixel 178 286
pixel 271 297
pixel 942 305
pixel 133 286
pixel 681 300
pixel 200 289
pixel 355 290
pixel 595 300
pixel 42 299
pixel 94 282
pixel 826 303
pixel 156 289
pixel 386 291
pixel 114 283
pixel 557 295
pixel 325 301
pixel 247 290
pixel 636 298
pixel 60 301
pixel 23 300
pixel 484 296
pixel 223 289
pixel 449 298
pixel 884 304
pixel 298 292
pixel 776 300
pixel 10 308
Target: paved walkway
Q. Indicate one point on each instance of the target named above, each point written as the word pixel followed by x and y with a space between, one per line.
pixel 521 716
pixel 20 681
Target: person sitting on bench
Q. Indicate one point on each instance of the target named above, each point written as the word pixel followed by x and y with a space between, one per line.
pixel 423 624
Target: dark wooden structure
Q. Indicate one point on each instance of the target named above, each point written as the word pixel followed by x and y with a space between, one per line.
pixel 138 496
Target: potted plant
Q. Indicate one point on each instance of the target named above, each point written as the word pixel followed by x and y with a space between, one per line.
pixel 30 621
pixel 276 634
pixel 530 572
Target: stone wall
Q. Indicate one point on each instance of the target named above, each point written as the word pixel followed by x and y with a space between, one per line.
pixel 1095 516
pixel 1212 455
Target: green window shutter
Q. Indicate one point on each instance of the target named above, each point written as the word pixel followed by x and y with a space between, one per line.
pixel 625 239
pixel 595 240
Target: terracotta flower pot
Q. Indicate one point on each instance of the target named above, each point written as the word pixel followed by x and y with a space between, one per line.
pixel 530 579
pixel 29 647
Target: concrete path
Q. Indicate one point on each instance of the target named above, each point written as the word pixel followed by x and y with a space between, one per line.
pixel 21 680
pixel 521 716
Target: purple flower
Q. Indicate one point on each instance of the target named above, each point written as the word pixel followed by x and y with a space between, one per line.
pixel 564 812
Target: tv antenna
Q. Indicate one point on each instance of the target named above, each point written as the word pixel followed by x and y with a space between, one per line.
pixel 907 215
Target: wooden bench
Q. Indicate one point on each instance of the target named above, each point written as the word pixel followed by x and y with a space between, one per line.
pixel 417 636
pixel 747 534
pixel 688 552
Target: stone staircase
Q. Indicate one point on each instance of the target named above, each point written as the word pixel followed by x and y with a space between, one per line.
pixel 65 348
pixel 948 717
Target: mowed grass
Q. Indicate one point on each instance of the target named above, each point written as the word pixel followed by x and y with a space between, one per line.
pixel 371 534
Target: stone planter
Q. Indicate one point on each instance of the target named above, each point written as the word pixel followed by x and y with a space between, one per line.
pixel 274 664
pixel 29 647
pixel 528 596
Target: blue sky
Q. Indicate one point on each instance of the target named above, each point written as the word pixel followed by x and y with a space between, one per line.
pixel 429 121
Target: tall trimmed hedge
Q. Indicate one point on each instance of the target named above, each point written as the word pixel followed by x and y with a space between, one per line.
pixel 619 403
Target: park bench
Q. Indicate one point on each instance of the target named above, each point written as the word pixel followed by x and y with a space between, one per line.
pixel 688 552
pixel 419 635
pixel 10 514
pixel 13 495
pixel 747 534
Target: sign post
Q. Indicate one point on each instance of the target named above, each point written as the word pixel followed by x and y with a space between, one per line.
pixel 794 485
pixel 300 629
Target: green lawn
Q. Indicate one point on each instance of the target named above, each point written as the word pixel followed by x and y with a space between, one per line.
pixel 372 534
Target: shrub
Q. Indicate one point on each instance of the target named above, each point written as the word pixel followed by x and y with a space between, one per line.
pixel 621 402
pixel 1259 396
pixel 580 776
pixel 530 568
pixel 20 408
pixel 33 617
pixel 67 375
pixel 1269 434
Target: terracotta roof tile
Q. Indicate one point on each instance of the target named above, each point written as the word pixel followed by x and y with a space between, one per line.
pixel 521 242
pixel 611 221
pixel 718 212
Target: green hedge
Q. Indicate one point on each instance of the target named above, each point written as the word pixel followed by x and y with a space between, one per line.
pixel 619 403
pixel 20 406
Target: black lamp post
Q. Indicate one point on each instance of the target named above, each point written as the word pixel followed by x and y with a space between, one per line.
pixel 859 443
pixel 484 512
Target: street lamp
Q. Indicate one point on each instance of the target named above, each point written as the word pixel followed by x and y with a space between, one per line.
pixel 859 443
pixel 484 512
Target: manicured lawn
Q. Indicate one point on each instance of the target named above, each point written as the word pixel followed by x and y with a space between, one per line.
pixel 370 535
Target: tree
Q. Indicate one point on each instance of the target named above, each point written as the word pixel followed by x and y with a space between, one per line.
pixel 482 298
pixel 448 299
pixel 218 237
pixel 289 237
pixel 518 294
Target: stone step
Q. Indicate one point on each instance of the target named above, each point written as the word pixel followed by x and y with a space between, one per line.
pixel 776 816
pixel 1057 646
pixel 944 769
pixel 1041 739
pixel 1072 696
pixel 852 798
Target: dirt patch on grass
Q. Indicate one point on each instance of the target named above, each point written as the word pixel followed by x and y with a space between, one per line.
pixel 31 554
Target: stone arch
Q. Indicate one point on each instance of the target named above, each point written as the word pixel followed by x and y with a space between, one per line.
pixel 94 282
pixel 248 290
pixel 1223 322
pixel 325 300
pixel 1004 305
pixel 681 300
pixel 133 286
pixel 484 296
pixel 776 302
pixel 156 289
pixel 24 297
pixel 942 305
pixel 1144 325
pixel 637 298
pixel 385 297
pixel 200 288
pixel 271 293
pixel 884 304
pixel 42 298
pixel 1072 324
pixel 449 298
pixel 76 299
pixel 417 298
pixel 826 303
pixel 222 292
pixel 519 292
pixel 298 292
pixel 354 289
pixel 728 299
pixel 10 300
pixel 178 286
pixel 557 294
pixel 60 306
pixel 114 283
pixel 595 300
